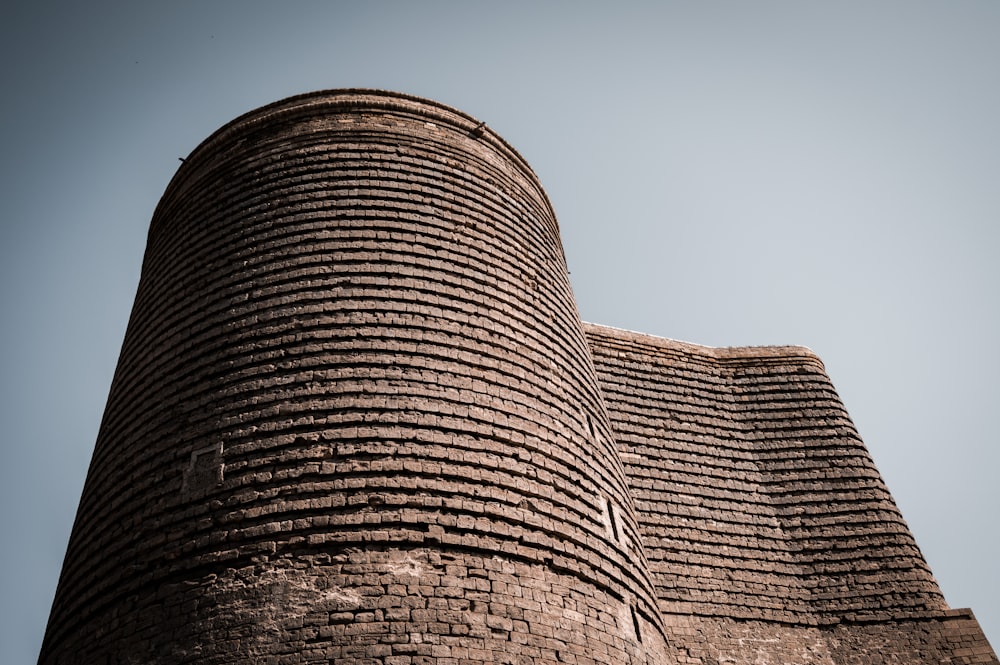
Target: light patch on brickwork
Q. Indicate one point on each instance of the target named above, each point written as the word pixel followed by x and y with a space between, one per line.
pixel 408 567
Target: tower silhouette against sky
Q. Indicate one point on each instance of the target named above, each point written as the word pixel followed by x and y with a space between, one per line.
pixel 357 419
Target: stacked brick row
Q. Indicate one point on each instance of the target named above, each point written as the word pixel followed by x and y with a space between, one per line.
pixel 770 533
pixel 953 636
pixel 354 418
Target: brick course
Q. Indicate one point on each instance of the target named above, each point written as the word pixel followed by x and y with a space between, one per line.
pixel 357 419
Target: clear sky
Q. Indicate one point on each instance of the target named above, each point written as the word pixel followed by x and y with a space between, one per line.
pixel 726 173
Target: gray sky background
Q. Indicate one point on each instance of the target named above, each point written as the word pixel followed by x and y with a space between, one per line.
pixel 726 173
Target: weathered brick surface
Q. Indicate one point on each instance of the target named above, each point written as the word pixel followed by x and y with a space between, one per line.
pixel 356 419
pixel 951 637
pixel 770 534
pixel 354 338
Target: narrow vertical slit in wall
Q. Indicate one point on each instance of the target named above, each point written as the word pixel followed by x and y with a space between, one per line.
pixel 635 623
pixel 204 472
pixel 611 516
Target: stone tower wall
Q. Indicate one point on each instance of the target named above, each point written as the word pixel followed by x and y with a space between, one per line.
pixel 769 532
pixel 773 489
pixel 355 418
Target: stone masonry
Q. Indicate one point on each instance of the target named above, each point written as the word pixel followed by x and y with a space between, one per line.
pixel 357 420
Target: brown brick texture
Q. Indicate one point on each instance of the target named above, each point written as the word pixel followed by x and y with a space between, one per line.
pixel 770 533
pixel 357 420
pixel 354 418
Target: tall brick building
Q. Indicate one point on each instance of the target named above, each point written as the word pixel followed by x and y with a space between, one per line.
pixel 357 419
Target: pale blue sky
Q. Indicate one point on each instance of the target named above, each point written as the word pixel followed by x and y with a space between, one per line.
pixel 727 173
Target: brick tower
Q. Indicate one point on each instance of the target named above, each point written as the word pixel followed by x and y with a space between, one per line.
pixel 354 417
pixel 357 420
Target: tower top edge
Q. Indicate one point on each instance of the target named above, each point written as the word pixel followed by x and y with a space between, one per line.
pixel 724 353
pixel 312 105
pixel 344 99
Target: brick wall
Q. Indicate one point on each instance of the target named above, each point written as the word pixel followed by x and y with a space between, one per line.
pixel 356 419
pixel 770 533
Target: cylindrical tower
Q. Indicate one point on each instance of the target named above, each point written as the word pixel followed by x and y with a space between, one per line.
pixel 355 418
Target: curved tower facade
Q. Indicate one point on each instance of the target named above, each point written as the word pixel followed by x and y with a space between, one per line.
pixel 355 418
